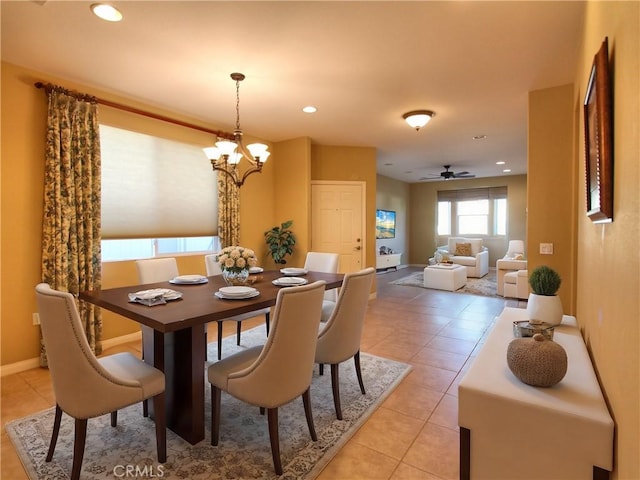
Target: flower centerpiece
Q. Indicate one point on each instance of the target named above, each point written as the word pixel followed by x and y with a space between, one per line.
pixel 235 263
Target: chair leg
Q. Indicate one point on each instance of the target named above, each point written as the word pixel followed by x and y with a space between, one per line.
pixel 159 411
pixel 306 400
pixel 78 447
pixel 266 321
pixel 219 340
pixel 215 414
pixel 321 368
pixel 272 415
pixel 356 360
pixel 54 434
pixel 238 330
pixel 335 387
pixel 145 408
pixel 114 418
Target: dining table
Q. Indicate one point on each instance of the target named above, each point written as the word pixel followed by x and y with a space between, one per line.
pixel 176 343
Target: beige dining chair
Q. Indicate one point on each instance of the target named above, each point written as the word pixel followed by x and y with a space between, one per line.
pixel 87 387
pixel 339 340
pixel 213 268
pixel 154 270
pixel 273 375
pixel 326 263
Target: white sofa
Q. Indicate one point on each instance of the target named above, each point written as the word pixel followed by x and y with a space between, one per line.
pixel 477 262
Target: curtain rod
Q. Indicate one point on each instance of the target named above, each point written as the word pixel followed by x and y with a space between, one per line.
pixel 49 87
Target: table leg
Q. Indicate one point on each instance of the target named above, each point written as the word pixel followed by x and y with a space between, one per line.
pixel 465 453
pixel 181 356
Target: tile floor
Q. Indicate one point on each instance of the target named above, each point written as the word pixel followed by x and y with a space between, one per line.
pixel 414 433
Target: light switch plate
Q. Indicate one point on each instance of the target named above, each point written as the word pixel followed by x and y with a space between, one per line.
pixel 546 249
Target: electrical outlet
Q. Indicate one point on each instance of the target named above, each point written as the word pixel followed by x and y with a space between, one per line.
pixel 36 318
pixel 546 249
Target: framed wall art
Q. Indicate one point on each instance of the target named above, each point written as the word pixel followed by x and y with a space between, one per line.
pixel 598 137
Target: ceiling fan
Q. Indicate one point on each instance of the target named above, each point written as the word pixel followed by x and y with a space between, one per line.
pixel 447 174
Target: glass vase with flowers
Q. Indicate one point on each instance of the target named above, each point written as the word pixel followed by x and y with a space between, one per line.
pixel 235 262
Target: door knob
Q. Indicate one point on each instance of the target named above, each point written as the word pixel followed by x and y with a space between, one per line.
pixel 358 247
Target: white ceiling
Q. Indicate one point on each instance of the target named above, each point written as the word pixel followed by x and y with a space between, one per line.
pixel 362 64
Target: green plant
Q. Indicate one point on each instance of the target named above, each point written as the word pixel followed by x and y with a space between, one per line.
pixel 280 241
pixel 544 281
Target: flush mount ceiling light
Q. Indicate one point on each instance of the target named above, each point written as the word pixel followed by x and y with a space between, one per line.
pixel 224 157
pixel 106 12
pixel 418 118
pixel 309 109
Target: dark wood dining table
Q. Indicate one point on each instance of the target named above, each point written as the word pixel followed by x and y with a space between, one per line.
pixel 177 345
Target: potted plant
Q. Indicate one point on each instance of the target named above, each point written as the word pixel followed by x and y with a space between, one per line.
pixel 544 305
pixel 280 241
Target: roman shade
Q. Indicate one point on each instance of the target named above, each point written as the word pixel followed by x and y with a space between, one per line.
pixel 153 187
pixel 471 194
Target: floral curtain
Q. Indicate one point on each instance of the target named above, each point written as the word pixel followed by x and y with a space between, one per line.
pixel 228 210
pixel 71 255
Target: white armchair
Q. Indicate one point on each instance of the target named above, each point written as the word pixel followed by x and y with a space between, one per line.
pixel 468 252
pixel 513 261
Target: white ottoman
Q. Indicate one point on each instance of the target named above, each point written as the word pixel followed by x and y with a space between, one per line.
pixel 445 277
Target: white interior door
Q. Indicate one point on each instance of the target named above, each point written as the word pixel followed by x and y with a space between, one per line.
pixel 337 215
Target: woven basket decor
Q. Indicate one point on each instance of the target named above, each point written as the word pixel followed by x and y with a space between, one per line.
pixel 537 361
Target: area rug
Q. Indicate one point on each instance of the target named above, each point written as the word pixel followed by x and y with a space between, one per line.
pixel 485 286
pixel 243 452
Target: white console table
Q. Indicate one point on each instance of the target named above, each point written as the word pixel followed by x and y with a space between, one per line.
pixel 391 260
pixel 511 430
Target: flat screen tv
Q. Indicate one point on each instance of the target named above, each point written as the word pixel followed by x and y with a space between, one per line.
pixel 385 224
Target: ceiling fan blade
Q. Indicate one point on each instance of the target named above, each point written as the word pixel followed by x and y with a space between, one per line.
pixel 463 175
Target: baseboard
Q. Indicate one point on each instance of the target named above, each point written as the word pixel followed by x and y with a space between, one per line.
pixel 32 363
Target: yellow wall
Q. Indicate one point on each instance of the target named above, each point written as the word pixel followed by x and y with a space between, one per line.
pixel 608 257
pixel 422 217
pixel 551 186
pixel 351 164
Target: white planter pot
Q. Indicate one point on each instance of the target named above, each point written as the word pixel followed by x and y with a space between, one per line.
pixel 545 308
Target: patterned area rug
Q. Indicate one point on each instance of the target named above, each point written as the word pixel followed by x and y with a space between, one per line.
pixel 244 450
pixel 485 286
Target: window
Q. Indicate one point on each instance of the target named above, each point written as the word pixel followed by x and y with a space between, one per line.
pixel 477 211
pixel 159 196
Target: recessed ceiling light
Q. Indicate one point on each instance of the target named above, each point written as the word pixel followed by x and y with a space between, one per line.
pixel 500 163
pixel 479 137
pixel 506 170
pixel 309 109
pixel 106 12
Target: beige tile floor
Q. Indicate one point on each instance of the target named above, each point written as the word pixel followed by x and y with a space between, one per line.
pixel 412 435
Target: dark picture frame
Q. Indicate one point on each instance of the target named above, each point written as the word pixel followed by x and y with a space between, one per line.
pixel 598 139
pixel 385 224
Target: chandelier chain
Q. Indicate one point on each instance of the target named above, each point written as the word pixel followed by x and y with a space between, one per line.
pixel 237 104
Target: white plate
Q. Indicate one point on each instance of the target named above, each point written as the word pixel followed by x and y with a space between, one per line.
pixel 166 293
pixel 293 271
pixel 289 281
pixel 237 291
pixel 256 270
pixel 235 297
pixel 189 279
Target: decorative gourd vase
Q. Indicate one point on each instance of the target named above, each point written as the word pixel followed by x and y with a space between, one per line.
pixel 544 308
pixel 537 361
pixel 236 278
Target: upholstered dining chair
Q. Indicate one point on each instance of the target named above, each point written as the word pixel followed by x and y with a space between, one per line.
pixel 339 340
pixel 273 375
pixel 327 263
pixel 213 268
pixel 87 387
pixel 153 270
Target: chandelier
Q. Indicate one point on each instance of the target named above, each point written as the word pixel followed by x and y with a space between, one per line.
pixel 225 158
